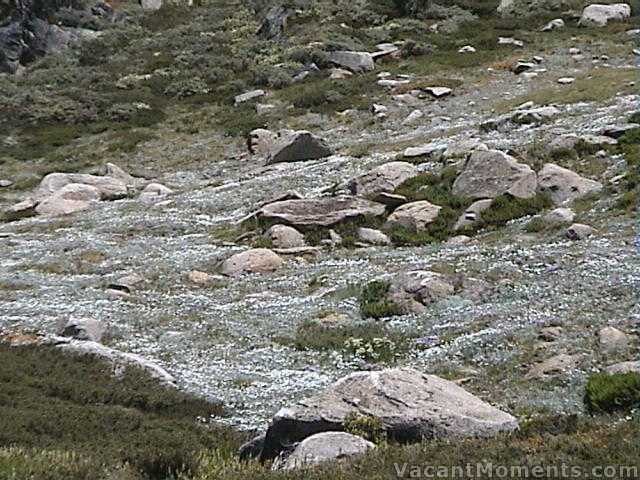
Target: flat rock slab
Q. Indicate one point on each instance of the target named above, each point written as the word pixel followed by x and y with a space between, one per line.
pixel 320 212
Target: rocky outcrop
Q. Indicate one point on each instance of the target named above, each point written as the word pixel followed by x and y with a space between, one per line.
pixel 151 4
pixel 320 212
pixel 292 146
pixel 414 216
pixel 383 179
pixel 413 291
pixel 598 15
pixel 412 406
pixel 29 36
pixel 624 367
pixel 154 192
pixel 563 186
pixel 324 447
pixel 488 174
pixel 257 260
pixel 108 188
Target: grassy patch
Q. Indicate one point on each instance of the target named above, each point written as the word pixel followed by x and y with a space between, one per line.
pixel 599 85
pixel 367 427
pixel 630 147
pixel 607 393
pixel 54 402
pixel 374 301
pixel 506 208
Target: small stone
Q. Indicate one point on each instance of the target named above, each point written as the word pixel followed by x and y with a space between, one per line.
pixel 413 117
pixel 554 24
pixel 566 80
pixel 87 329
pixel 5 183
pixel 340 74
pixel 550 334
pixel 248 96
pixel 438 92
pixel 510 41
pixel 467 49
pixel 373 237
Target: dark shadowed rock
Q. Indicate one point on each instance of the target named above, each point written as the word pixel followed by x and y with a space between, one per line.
pixel 298 146
pixel 412 406
pixel 320 212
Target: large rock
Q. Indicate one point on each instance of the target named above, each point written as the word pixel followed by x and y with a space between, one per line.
pixel 563 185
pixel 154 192
pixel 109 188
pixel 323 447
pixel 71 198
pixel 357 62
pixel 598 15
pixel 320 212
pixel 298 146
pixel 411 406
pixel 415 216
pixel 385 178
pixel 490 173
pixel 257 260
pixel 373 237
pixel 284 236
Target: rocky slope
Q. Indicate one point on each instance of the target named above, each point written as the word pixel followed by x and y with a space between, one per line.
pixel 522 334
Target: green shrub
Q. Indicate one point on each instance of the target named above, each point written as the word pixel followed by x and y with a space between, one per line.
pixel 374 301
pixel 378 349
pixel 366 426
pixel 608 393
pixel 507 207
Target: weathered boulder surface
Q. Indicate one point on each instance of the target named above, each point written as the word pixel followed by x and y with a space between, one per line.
pixel 598 15
pixel 109 188
pixel 257 260
pixel 323 447
pixel 373 236
pixel 71 198
pixel 412 406
pixel 154 192
pixel 88 329
pixel 611 340
pixel 320 212
pixel 298 146
pixel 383 179
pixel 413 291
pixel 357 62
pixel 562 185
pixel 579 231
pixel 415 216
pixel 284 236
pixel 490 173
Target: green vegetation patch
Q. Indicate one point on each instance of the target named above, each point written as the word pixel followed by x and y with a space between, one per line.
pixel 375 302
pixel 505 208
pixel 608 393
pixel 54 402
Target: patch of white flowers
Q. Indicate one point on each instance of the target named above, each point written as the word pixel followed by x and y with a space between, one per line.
pixel 375 349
